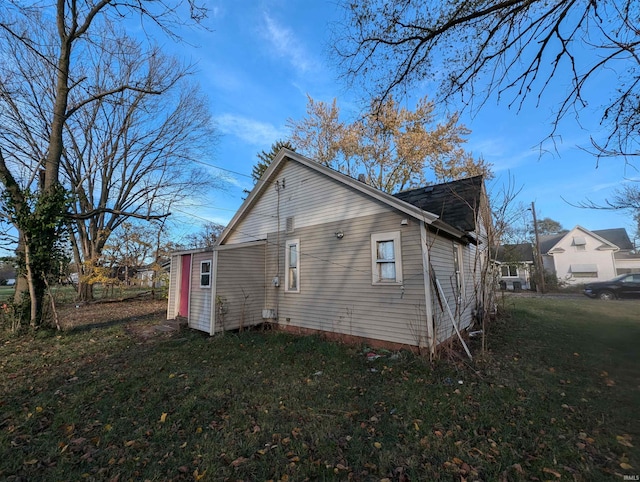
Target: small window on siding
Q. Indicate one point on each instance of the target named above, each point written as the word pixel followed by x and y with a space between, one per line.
pixel 205 274
pixel 386 258
pixel 292 266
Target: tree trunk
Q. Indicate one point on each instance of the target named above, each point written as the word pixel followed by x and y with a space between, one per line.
pixel 22 285
pixel 84 289
pixel 33 294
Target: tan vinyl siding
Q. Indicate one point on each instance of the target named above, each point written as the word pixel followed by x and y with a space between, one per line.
pixel 472 273
pixel 200 300
pixel 305 198
pixel 174 276
pixel 336 291
pixel 441 257
pixel 240 286
pixel 441 251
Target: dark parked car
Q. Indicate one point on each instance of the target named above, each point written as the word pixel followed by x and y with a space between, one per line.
pixel 623 286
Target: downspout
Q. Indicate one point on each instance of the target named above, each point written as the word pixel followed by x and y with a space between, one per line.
pixel 277 281
pixel 427 289
pixel 190 291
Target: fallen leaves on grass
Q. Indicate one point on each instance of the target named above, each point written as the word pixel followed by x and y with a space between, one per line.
pixel 552 472
pixel 239 461
pixel 624 440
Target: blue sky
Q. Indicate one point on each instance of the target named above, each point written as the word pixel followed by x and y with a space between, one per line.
pixel 260 59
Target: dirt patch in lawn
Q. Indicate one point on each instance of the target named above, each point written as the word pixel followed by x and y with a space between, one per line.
pixel 138 314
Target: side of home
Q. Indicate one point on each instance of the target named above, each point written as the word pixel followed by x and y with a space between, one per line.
pixel 312 250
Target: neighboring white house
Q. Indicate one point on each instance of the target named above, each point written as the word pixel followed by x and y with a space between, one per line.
pixel 313 250
pixel 514 265
pixel 581 256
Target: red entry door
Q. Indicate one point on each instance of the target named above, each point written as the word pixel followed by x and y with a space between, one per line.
pixel 183 309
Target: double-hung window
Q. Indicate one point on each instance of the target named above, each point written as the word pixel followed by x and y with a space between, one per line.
pixel 292 266
pixel 205 274
pixel 386 258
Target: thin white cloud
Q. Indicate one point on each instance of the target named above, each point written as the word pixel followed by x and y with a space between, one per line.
pixel 249 130
pixel 502 155
pixel 614 184
pixel 285 44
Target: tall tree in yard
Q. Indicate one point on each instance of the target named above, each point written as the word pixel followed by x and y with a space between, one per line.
pixel 511 48
pixel 265 159
pixel 393 145
pixel 548 226
pixel 46 81
pixel 128 157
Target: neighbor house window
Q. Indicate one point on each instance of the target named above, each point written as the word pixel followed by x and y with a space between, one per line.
pixel 509 271
pixel 205 274
pixel 386 258
pixel 292 273
pixel 584 270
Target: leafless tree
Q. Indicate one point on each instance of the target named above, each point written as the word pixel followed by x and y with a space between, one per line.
pixel 130 156
pixel 206 237
pixel 514 49
pixel 47 50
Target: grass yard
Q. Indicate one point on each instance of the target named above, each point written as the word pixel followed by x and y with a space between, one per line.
pixel 556 398
pixel 6 292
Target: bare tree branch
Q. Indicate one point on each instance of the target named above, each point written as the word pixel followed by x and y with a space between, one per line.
pixel 520 48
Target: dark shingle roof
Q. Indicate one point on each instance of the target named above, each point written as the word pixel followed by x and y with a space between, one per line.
pixel 456 202
pixel 514 253
pixel 617 236
pixel 549 241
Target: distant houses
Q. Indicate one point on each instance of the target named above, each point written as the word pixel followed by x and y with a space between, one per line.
pixel 575 257
pixel 581 256
pixel 514 264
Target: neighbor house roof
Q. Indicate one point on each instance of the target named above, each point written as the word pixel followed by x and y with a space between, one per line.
pixel 611 238
pixel 514 253
pixel 455 202
pixel 617 236
pixel 548 241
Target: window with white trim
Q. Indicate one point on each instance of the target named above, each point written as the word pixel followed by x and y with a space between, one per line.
pixel 205 274
pixel 386 258
pixel 292 266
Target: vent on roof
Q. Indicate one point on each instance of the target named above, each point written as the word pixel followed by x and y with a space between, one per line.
pixel 290 224
pixel 428 189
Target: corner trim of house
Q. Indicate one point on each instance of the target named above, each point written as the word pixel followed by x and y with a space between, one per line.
pixel 427 287
pixel 214 288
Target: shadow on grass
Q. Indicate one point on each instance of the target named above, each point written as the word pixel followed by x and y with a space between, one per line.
pixel 158 316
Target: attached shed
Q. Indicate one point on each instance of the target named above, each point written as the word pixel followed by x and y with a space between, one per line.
pixel 313 250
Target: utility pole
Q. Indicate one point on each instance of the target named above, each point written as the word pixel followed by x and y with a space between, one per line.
pixel 538 254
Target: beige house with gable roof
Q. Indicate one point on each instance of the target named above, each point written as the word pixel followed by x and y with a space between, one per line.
pixel 313 250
